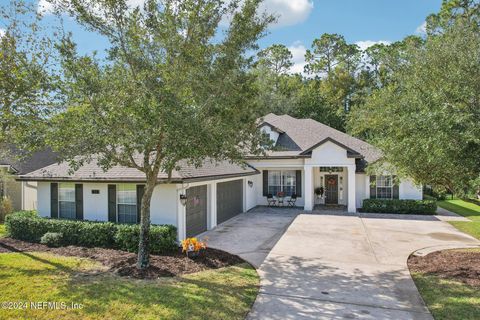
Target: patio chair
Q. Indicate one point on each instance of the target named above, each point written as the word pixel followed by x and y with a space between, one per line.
pixel 292 200
pixel 270 200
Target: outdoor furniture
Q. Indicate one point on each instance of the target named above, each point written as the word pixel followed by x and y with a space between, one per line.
pixel 281 199
pixel 292 200
pixel 270 200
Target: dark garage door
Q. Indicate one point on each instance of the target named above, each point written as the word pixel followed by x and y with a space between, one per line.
pixel 229 200
pixel 196 210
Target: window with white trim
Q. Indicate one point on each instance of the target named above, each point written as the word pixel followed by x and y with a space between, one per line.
pixel 127 203
pixel 384 185
pixel 282 181
pixel 66 200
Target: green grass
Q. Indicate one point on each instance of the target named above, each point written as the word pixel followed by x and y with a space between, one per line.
pixel 466 209
pixel 3 232
pixel 461 207
pixel 448 299
pixel 226 293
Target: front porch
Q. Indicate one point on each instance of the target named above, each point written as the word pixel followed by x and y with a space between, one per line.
pixel 330 187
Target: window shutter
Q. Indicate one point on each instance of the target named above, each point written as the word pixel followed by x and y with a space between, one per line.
pixel 373 187
pixel 298 182
pixel 265 183
pixel 54 200
pixel 79 201
pixel 112 203
pixel 140 191
pixel 396 191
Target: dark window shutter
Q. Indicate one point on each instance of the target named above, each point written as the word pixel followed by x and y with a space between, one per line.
pixel 112 203
pixel 265 183
pixel 298 181
pixel 79 201
pixel 373 187
pixel 396 191
pixel 140 191
pixel 54 200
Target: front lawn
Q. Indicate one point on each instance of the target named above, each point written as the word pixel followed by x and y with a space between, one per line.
pixel 466 209
pixel 225 293
pixel 3 232
pixel 449 284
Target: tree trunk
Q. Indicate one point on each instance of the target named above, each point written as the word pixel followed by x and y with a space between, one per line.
pixel 143 259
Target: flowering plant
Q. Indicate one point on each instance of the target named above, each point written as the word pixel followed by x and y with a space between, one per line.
pixel 193 245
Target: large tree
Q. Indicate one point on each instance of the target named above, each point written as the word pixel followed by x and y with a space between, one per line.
pixel 426 120
pixel 174 86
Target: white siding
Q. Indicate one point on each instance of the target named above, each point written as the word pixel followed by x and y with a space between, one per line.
pixel 95 206
pixel 329 154
pixel 408 190
pixel 29 195
pixel 43 196
pixel 252 192
pixel 163 207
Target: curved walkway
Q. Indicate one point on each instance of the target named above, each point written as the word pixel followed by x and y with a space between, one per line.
pixel 346 266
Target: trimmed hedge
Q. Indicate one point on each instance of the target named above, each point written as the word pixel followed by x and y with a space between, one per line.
pixel 89 233
pixel 128 235
pixel 399 206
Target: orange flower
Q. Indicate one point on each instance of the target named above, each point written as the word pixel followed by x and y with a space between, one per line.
pixel 193 244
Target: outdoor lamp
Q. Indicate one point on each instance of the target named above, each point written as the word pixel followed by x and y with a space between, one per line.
pixel 183 199
pixel 250 183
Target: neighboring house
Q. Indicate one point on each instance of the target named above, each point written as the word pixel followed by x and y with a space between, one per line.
pixel 23 194
pixel 307 155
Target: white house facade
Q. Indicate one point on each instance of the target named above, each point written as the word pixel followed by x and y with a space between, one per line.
pixel 311 166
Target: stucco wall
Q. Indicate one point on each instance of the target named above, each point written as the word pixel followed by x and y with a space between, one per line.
pixel 329 154
pixel 43 199
pixel 163 208
pixel 360 189
pixel 29 195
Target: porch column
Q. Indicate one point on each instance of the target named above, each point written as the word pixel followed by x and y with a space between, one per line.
pixel 352 206
pixel 181 215
pixel 308 189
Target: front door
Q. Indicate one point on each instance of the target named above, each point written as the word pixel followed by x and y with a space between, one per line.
pixel 331 189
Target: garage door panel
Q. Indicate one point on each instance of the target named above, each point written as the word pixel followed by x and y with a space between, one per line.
pixel 196 210
pixel 229 199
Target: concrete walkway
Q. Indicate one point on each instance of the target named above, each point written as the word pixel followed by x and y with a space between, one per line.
pixel 349 267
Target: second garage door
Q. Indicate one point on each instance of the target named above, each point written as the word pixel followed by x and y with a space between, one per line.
pixel 196 211
pixel 229 199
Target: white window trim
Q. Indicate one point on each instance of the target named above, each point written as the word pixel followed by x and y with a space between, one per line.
pixel 377 186
pixel 71 201
pixel 123 203
pixel 281 180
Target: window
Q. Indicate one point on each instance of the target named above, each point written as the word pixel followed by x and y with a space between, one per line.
pixel 127 203
pixel 282 181
pixel 384 187
pixel 66 200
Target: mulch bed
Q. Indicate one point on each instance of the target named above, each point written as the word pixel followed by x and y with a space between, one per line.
pixel 124 263
pixel 459 265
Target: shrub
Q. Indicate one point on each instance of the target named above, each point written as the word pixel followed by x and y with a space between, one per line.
pixel 162 238
pixel 52 239
pixel 29 227
pixel 6 207
pixel 399 206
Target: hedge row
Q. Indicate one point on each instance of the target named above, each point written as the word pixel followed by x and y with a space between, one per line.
pixel 399 206
pixel 31 228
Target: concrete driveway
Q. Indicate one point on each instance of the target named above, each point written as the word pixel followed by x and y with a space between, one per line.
pixel 253 234
pixel 348 267
pixel 334 266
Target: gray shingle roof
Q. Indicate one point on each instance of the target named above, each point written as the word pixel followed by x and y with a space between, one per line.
pixel 93 172
pixel 306 133
pixel 25 164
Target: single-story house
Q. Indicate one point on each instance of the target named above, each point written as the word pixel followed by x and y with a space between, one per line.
pixel 307 155
pixel 14 163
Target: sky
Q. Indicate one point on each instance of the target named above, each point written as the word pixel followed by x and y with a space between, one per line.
pixel 363 22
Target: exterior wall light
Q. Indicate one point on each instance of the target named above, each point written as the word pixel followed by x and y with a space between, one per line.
pixel 183 199
pixel 250 183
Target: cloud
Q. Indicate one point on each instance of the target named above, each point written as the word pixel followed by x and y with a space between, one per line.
pixel 421 29
pixel 368 43
pixel 2 32
pixel 289 12
pixel 298 51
